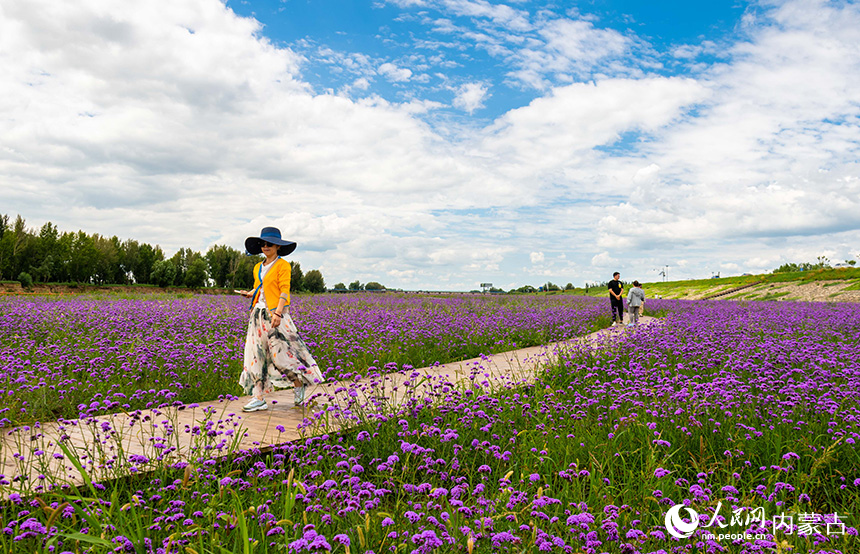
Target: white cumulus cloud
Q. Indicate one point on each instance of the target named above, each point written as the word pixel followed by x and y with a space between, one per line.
pixel 470 97
pixel 394 73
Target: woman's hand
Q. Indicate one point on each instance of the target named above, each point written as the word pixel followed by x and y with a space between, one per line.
pixel 276 319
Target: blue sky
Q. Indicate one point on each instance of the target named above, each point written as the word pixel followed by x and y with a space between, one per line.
pixel 438 144
pixel 409 35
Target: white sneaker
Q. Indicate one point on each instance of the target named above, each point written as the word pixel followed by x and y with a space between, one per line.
pixel 255 406
pixel 299 395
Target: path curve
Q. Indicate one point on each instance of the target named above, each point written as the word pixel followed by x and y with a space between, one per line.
pixel 114 445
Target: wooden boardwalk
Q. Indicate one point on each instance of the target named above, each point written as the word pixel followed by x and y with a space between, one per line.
pixel 108 446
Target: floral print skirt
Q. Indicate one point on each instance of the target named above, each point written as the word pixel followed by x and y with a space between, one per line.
pixel 273 353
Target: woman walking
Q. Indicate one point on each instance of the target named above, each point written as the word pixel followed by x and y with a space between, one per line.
pixel 273 348
pixel 635 303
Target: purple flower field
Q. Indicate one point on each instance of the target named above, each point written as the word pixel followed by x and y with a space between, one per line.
pixel 75 358
pixel 741 419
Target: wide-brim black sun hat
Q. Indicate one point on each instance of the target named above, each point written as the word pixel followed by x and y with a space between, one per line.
pixel 272 235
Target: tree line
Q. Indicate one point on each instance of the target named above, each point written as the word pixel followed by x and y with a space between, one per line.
pixel 47 255
pixel 822 262
pixel 357 286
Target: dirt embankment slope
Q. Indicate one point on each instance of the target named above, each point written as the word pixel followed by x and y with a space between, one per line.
pixel 805 291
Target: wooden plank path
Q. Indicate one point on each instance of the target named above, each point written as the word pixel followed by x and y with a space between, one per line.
pixel 118 444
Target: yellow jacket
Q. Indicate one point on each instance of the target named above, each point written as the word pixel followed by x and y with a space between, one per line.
pixel 276 282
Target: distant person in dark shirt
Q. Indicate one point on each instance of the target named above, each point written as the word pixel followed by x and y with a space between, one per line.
pixel 616 298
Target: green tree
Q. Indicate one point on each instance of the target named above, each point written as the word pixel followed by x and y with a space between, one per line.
pixel 296 277
pixel 195 277
pixel 43 273
pixel 24 247
pixel 218 260
pixel 339 286
pixel 821 263
pixel 5 248
pixel 182 261
pixel 147 256
pixel 49 246
pixel 373 285
pixel 19 249
pixel 131 260
pixel 243 274
pixel 313 281
pixel 355 285
pixel 568 286
pixel 84 258
pixel 223 262
pixel 108 267
pixel 25 279
pixel 787 268
pixel 163 273
pixel 63 258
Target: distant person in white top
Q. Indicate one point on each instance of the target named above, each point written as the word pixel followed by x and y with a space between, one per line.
pixel 635 303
